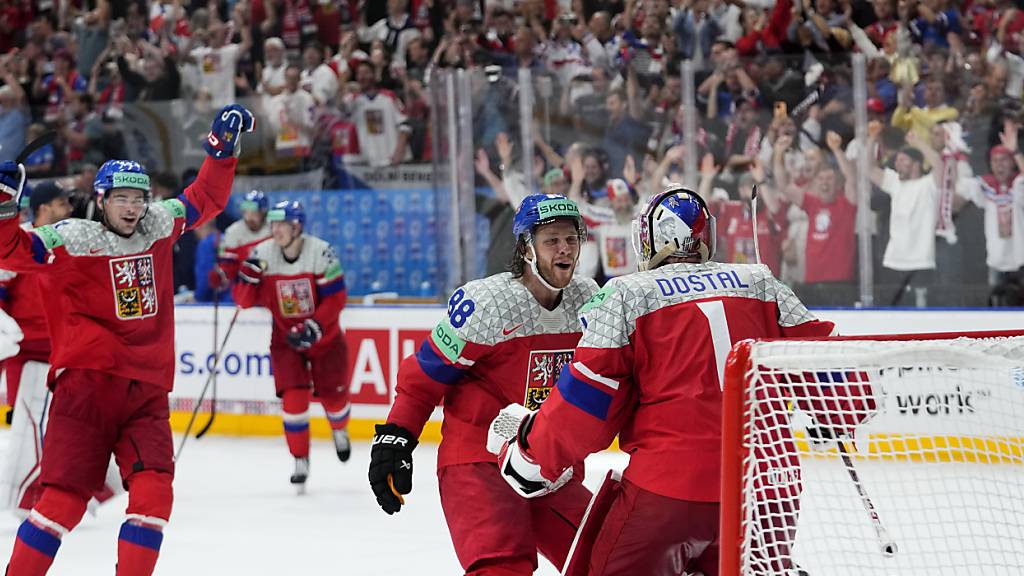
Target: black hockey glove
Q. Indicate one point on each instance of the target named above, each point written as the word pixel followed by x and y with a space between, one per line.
pixel 251 271
pixel 391 466
pixel 304 336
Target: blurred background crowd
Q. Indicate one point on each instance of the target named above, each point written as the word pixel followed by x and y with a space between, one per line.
pixel 881 136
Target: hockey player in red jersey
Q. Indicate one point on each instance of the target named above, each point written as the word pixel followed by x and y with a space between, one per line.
pixel 111 318
pixel 25 373
pixel 299 279
pixel 649 369
pixel 505 339
pixel 21 296
pixel 240 238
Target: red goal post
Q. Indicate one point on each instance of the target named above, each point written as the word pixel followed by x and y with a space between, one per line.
pixel 874 455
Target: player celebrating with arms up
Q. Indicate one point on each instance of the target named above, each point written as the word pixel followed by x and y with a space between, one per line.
pixel 111 317
pixel 649 368
pixel 299 279
pixel 505 340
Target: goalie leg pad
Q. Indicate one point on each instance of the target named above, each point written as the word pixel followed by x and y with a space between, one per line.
pixel 486 519
pixel 645 533
pixel 19 469
pixel 556 518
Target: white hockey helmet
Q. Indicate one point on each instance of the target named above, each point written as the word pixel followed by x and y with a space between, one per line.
pixel 675 222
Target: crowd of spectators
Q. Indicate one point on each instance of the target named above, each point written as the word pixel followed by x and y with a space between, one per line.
pixel 349 82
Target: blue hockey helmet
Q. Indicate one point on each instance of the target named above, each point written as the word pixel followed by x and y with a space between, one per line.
pixel 538 209
pixel 120 174
pixel 288 211
pixel 675 222
pixel 254 201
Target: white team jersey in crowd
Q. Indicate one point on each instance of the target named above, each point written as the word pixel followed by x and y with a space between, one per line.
pixel 378 117
pixel 1004 240
pixel 217 68
pixel 915 213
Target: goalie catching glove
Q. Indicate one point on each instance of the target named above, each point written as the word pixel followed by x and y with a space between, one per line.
pixel 391 466
pixel 506 438
pixel 304 336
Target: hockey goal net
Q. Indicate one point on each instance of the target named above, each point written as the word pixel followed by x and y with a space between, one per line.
pixel 891 455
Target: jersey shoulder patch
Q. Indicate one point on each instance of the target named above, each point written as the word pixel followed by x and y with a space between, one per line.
pixel 474 310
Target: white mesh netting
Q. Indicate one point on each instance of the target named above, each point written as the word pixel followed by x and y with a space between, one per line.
pixel 932 431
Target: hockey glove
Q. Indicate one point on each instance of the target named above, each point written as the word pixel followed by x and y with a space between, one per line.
pixel 516 467
pixel 10 336
pixel 251 271
pixel 12 183
pixel 223 141
pixel 304 336
pixel 216 278
pixel 391 466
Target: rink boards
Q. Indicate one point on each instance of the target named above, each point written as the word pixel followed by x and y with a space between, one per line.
pixel 379 337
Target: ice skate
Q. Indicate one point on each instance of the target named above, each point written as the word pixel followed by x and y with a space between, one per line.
pixel 342 444
pixel 301 474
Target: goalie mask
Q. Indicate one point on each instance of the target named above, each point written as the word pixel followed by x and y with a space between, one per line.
pixel 675 222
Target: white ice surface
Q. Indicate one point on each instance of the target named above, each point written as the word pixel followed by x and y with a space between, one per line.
pixel 236 514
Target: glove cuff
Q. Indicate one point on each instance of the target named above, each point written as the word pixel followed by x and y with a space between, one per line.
pixel 8 209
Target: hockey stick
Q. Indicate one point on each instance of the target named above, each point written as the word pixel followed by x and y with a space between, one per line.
pixel 213 396
pixel 206 386
pixel 753 223
pixel 885 540
pixel 44 139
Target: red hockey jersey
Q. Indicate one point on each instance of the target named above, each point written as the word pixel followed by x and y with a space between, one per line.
pixel 109 302
pixel 498 345
pixel 21 297
pixel 649 368
pixel 313 286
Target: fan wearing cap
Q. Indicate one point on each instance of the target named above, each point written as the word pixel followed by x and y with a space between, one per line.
pixel 649 369
pixel 505 339
pixel 110 311
pixel 1000 195
pixel 299 279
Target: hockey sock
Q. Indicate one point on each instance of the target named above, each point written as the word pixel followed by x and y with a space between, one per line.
pixel 295 404
pixel 150 498
pixel 337 411
pixel 56 513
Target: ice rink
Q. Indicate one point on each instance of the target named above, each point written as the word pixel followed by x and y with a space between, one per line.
pixel 236 514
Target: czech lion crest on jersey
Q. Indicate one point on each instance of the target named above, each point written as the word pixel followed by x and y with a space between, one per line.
pixel 542 374
pixel 134 287
pixel 295 297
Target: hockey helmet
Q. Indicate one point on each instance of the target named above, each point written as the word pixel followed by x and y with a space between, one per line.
pixel 254 201
pixel 539 209
pixel 288 211
pixel 120 174
pixel 675 222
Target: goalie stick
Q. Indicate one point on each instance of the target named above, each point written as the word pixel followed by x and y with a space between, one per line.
pixel 206 386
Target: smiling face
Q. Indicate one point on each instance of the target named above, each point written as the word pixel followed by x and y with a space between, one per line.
pixel 557 248
pixel 284 233
pixel 123 208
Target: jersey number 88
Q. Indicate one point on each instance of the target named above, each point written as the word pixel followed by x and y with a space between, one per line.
pixel 460 308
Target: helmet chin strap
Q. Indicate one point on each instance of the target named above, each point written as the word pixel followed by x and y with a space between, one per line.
pixel 536 271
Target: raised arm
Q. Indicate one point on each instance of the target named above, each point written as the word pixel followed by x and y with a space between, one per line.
pixel 208 195
pixel 835 144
